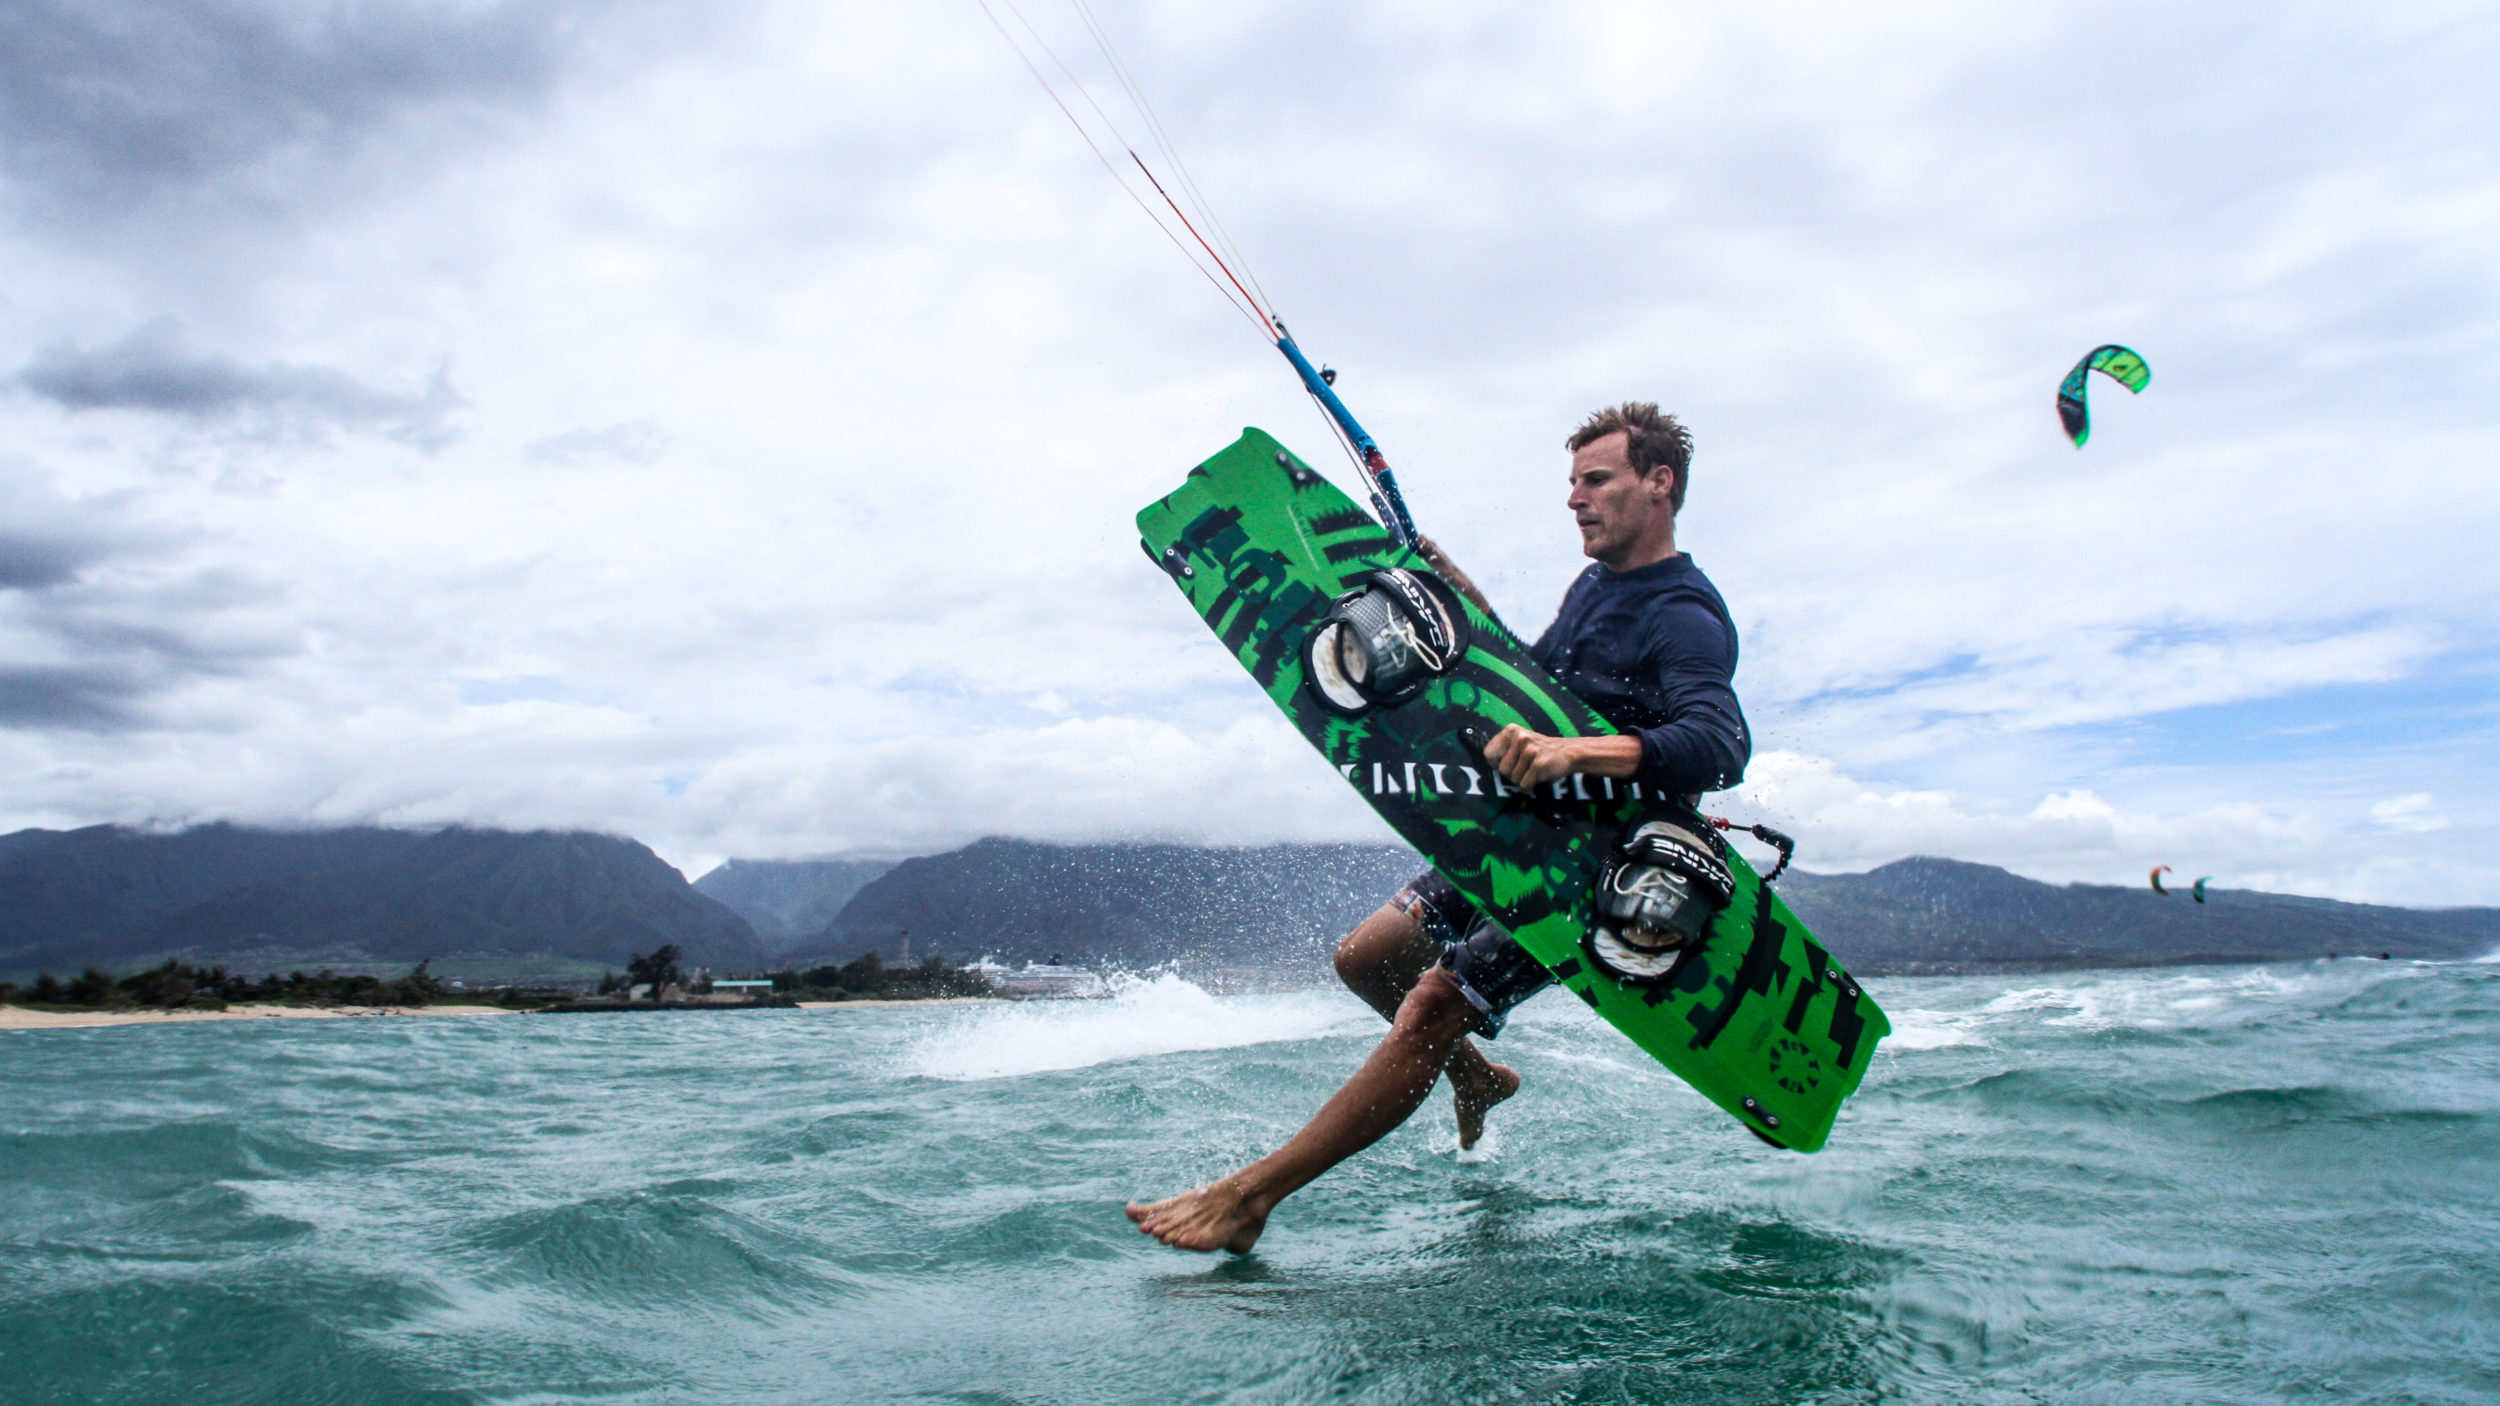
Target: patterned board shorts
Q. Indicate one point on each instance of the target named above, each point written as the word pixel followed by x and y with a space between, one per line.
pixel 1494 972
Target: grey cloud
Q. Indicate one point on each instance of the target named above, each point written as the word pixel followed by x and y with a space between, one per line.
pixel 32 561
pixel 152 370
pixel 108 653
pixel 170 649
pixel 47 540
pixel 91 623
pixel 111 656
pixel 634 442
pixel 84 697
pixel 104 106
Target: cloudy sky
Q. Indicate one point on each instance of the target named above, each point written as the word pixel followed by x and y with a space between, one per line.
pixel 721 424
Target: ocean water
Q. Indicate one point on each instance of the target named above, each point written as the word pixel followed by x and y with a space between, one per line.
pixel 2208 1185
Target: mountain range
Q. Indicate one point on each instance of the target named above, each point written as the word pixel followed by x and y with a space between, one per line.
pixel 266 899
pixel 1129 904
pixel 788 900
pixel 1141 904
pixel 1943 915
pixel 261 899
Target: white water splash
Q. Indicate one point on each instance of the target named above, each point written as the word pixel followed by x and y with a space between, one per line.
pixel 1143 1017
pixel 1488 1148
pixel 2147 999
pixel 1932 1030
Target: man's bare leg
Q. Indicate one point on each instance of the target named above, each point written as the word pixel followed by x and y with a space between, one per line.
pixel 1391 1085
pixel 1380 961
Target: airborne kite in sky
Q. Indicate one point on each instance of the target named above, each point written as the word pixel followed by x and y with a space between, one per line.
pixel 2161 869
pixel 2114 361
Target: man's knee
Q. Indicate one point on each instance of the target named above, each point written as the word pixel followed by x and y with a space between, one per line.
pixel 1352 957
pixel 1437 1007
pixel 1375 944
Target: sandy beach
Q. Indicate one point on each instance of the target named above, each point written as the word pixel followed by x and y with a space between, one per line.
pixel 19 1018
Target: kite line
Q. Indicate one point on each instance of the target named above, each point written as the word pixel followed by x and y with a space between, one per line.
pixel 1221 256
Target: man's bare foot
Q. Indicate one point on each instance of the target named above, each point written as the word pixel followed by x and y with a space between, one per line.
pixel 1211 1218
pixel 1477 1096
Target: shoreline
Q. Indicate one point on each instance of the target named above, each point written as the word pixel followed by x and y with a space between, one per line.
pixel 14 1017
pixel 899 1001
pixel 19 1018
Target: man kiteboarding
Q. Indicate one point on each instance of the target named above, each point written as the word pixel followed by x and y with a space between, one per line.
pixel 1644 639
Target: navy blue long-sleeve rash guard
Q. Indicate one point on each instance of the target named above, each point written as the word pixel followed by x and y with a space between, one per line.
pixel 1654 652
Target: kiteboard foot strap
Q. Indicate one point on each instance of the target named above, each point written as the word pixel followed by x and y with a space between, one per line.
pixel 1382 642
pixel 1656 899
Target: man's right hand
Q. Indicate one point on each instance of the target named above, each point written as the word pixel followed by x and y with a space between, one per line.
pixel 1531 759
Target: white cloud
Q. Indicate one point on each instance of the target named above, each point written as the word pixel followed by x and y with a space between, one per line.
pixel 2066 835
pixel 1847 825
pixel 2416 814
pixel 631 442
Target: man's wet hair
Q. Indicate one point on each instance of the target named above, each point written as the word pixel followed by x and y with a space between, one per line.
pixel 1656 440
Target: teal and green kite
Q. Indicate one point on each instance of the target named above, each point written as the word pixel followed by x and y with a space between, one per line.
pixel 2114 361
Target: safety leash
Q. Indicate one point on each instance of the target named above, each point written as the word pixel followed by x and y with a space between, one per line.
pixel 1776 840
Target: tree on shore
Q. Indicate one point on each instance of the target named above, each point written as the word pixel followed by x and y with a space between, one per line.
pixel 869 975
pixel 659 970
pixel 177 985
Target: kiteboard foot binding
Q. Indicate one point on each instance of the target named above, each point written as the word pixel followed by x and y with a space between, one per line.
pixel 1656 900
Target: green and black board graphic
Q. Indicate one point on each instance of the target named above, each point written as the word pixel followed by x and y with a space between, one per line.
pixel 1762 1021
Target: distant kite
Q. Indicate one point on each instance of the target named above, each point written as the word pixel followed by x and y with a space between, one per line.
pixel 2161 869
pixel 2114 361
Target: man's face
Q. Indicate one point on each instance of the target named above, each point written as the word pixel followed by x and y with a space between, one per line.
pixel 1614 506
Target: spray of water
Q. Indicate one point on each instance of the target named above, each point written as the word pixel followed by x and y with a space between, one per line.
pixel 1144 1016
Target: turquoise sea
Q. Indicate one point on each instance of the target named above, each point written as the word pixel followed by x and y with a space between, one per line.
pixel 2206 1185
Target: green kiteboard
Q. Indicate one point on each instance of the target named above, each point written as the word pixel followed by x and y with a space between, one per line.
pixel 1761 1020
